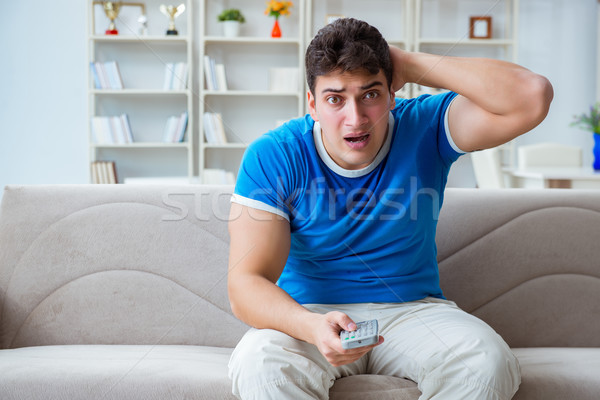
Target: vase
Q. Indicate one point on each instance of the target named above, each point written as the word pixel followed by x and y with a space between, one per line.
pixel 596 151
pixel 276 32
pixel 231 28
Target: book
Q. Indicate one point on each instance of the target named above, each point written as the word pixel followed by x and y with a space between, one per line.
pixel 169 73
pixel 114 75
pixel 209 129
pixel 219 127
pixel 210 73
pixel 95 76
pixel 111 129
pixel 106 75
pixel 180 76
pixel 104 172
pixel 175 128
pixel 102 77
pixel 214 130
pixel 127 128
pixel 221 78
pixel 176 76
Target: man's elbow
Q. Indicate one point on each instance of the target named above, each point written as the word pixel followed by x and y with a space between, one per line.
pixel 540 95
pixel 233 294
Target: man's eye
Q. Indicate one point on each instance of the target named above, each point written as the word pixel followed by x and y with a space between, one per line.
pixel 333 100
pixel 371 95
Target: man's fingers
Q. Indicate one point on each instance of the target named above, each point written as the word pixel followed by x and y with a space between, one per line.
pixel 343 321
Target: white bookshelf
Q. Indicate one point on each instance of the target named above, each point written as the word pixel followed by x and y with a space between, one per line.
pixel 142 60
pixel 248 108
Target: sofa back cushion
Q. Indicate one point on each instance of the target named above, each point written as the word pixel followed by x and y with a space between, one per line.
pixel 119 264
pixel 115 264
pixel 525 261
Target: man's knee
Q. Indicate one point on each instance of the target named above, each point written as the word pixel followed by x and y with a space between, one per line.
pixel 492 364
pixel 268 364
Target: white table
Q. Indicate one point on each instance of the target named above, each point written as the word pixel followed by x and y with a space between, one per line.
pixel 556 177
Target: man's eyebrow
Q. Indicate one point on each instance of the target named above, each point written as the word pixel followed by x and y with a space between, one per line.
pixel 365 87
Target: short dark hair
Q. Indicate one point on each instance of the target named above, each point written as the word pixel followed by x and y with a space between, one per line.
pixel 347 45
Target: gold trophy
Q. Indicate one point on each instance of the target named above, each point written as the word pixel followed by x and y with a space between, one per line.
pixel 111 9
pixel 172 12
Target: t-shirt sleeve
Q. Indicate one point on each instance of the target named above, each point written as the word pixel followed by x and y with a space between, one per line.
pixel 438 107
pixel 261 180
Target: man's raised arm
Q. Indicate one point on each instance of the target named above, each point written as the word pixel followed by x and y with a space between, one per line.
pixel 497 100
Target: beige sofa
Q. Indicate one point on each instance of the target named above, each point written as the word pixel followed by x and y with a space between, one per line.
pixel 119 292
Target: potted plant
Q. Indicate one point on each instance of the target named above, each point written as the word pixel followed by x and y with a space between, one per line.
pixel 231 19
pixel 591 122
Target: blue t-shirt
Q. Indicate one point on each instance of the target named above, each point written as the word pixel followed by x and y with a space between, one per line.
pixel 356 235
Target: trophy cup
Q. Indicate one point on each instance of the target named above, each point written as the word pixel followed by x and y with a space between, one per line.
pixel 111 9
pixel 172 12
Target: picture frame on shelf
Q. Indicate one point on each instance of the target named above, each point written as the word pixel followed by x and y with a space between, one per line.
pixel 480 27
pixel 329 18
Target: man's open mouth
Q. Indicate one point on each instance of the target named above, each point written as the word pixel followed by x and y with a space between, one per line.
pixel 357 139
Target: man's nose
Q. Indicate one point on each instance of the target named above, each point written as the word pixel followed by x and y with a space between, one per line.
pixel 355 115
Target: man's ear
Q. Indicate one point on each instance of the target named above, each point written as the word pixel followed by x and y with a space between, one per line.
pixel 392 99
pixel 312 107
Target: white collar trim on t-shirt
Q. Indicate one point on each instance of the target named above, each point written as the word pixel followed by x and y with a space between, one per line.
pixel 352 173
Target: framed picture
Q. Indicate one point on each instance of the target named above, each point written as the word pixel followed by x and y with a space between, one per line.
pixel 329 18
pixel 480 27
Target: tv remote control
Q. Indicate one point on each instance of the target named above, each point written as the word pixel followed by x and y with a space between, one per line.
pixel 366 333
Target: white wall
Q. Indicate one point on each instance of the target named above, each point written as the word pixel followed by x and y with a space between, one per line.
pixel 559 41
pixel 43 78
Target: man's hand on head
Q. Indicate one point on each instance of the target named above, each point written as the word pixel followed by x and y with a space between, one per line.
pixel 399 79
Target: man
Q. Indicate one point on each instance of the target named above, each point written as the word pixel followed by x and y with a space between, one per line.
pixel 333 222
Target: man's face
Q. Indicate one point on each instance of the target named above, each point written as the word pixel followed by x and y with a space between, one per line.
pixel 352 108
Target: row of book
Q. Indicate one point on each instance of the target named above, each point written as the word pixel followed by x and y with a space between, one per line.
pixel 176 76
pixel 104 172
pixel 106 75
pixel 175 128
pixel 214 129
pixel 214 75
pixel 111 130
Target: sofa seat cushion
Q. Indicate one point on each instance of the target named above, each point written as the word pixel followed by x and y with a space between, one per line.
pixel 374 387
pixel 115 372
pixel 559 373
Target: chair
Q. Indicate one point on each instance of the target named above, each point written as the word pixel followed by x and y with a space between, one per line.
pixel 549 155
pixel 488 169
pixel 553 155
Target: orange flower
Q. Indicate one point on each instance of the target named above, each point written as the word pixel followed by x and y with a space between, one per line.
pixel 277 8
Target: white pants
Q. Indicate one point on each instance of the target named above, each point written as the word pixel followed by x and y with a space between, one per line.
pixel 448 352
